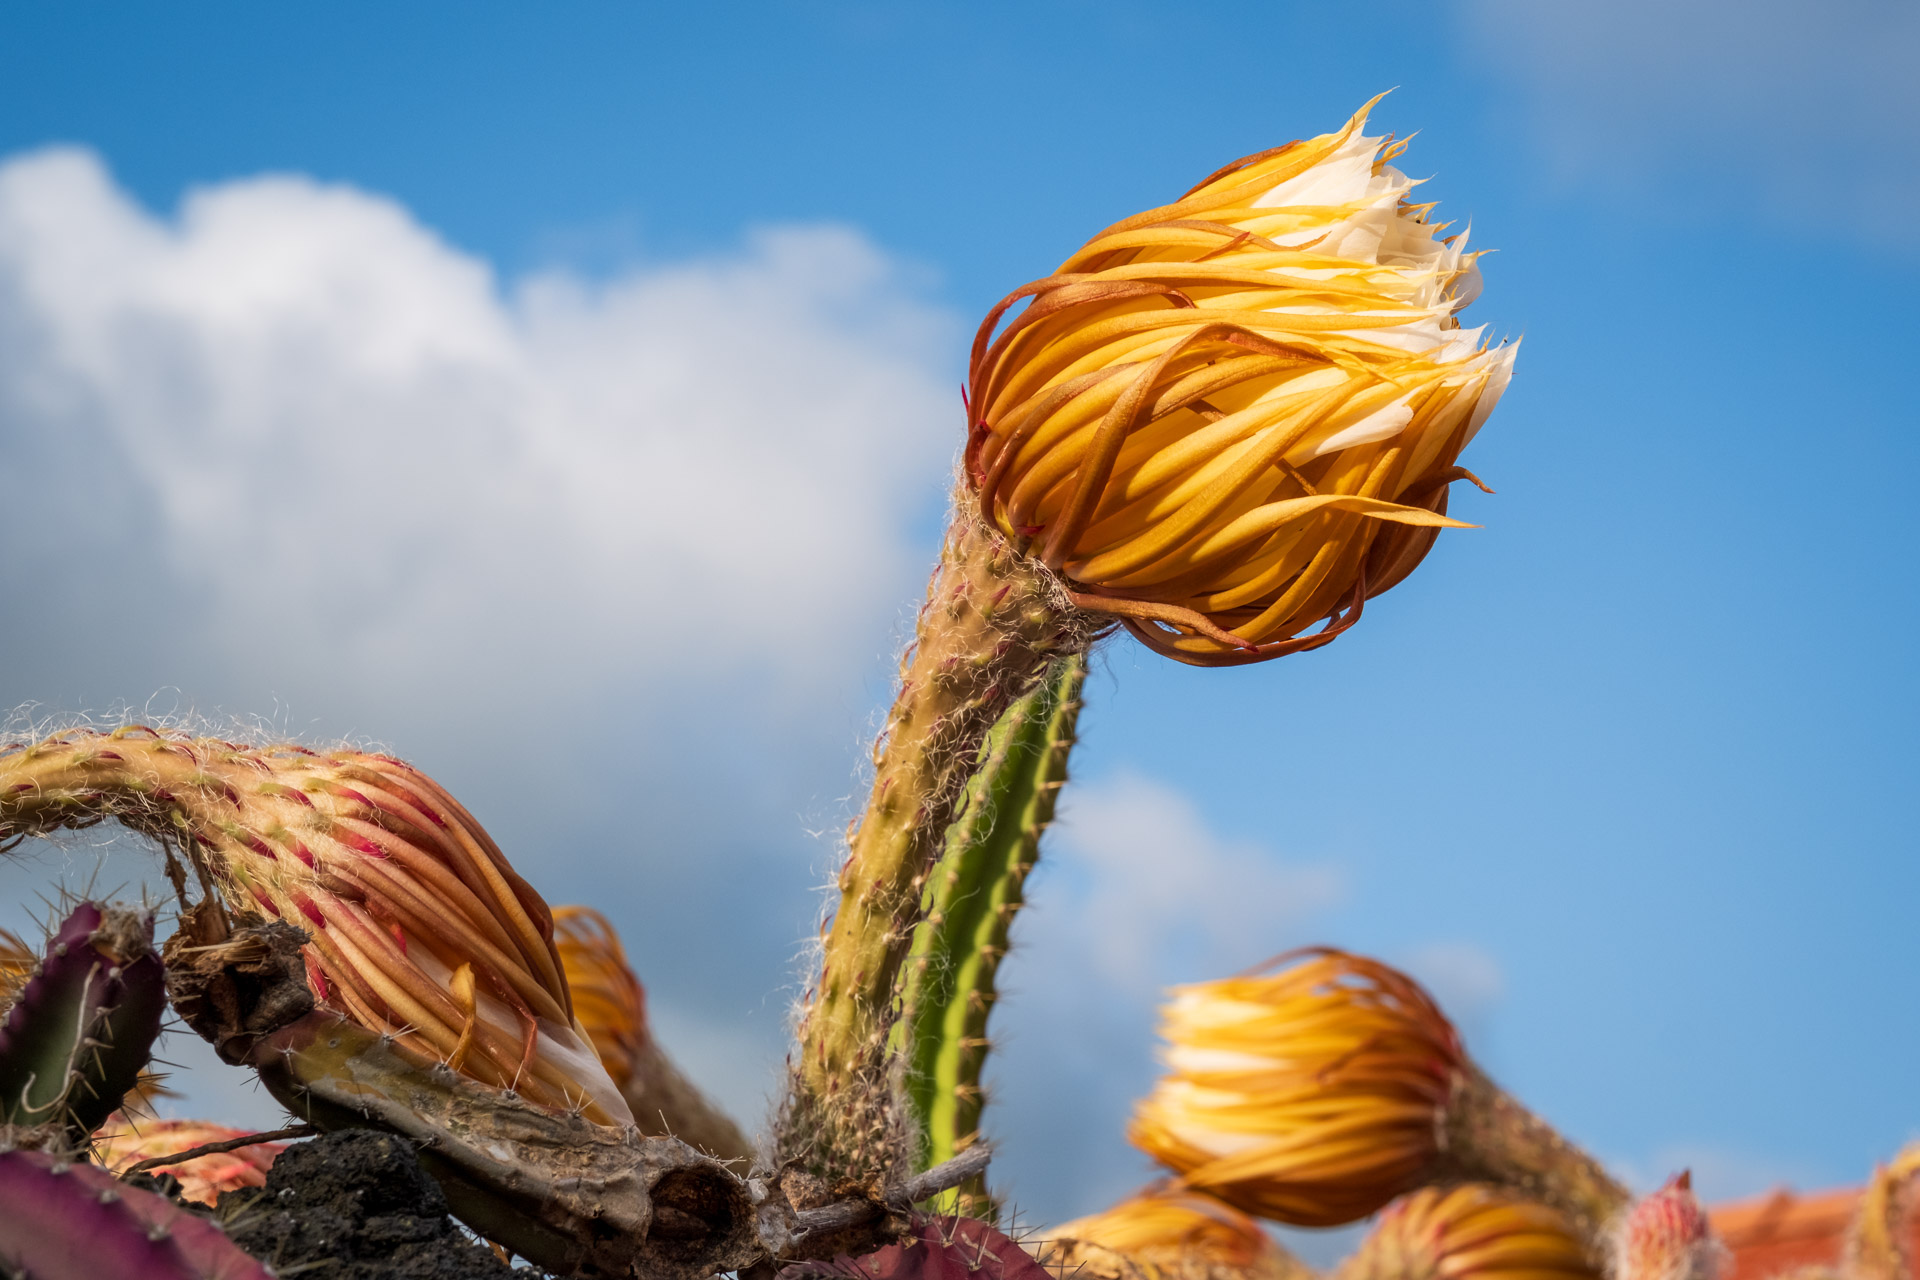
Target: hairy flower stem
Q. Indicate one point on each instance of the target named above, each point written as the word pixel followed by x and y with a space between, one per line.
pixel 1490 1137
pixel 975 893
pixel 992 622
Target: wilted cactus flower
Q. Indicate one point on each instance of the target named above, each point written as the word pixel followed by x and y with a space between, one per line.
pixel 1667 1236
pixel 418 928
pixel 1234 417
pixel 1469 1233
pixel 1319 1087
pixel 1310 1095
pixel 129 1139
pixel 610 1006
pixel 1179 1233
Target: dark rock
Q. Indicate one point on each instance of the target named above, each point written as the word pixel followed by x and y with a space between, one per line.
pixel 360 1201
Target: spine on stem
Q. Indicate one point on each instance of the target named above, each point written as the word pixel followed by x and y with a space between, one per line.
pixel 993 621
pixel 976 891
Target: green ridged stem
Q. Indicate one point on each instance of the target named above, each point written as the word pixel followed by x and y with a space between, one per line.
pixel 972 898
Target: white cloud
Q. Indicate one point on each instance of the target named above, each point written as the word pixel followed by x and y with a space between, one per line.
pixel 1811 107
pixel 1135 891
pixel 353 452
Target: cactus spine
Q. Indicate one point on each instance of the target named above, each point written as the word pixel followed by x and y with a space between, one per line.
pixel 75 1221
pixel 973 897
pixel 82 1028
pixel 993 621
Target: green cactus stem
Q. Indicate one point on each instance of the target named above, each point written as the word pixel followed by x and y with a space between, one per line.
pixel 81 1029
pixel 67 1220
pixel 993 621
pixel 972 899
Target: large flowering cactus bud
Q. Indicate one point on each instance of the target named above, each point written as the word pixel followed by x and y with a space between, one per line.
pixel 1229 419
pixel 81 1028
pixel 417 927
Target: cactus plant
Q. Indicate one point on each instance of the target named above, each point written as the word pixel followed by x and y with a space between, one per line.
pixel 81 1030
pixel 66 1220
pixel 974 895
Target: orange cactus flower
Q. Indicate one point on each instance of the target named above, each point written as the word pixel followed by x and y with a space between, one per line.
pixel 1234 417
pixel 608 1001
pixel 417 925
pixel 1311 1095
pixel 1183 1233
pixel 127 1140
pixel 1469 1232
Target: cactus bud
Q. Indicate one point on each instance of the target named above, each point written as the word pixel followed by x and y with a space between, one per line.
pixel 1667 1236
pixel 396 885
pixel 1469 1233
pixel 1317 1092
pixel 610 1006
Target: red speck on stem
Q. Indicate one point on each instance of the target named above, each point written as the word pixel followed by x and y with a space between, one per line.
pixel 309 910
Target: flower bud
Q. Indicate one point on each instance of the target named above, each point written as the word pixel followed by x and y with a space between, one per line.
pixel 1470 1232
pixel 1180 1234
pixel 1232 418
pixel 1666 1236
pixel 417 926
pixel 1312 1095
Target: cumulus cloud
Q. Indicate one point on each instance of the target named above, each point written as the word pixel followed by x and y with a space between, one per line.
pixel 1135 891
pixel 349 447
pixel 617 558
pixel 1809 108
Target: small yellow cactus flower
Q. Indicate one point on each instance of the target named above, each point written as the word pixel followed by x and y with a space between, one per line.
pixel 1181 1234
pixel 609 1003
pixel 417 925
pixel 1470 1232
pixel 126 1140
pixel 1234 417
pixel 1311 1095
pixel 1668 1236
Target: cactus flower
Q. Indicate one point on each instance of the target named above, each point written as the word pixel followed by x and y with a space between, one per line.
pixel 126 1140
pixel 1180 1234
pixel 1318 1088
pixel 610 1006
pixel 418 928
pixel 1232 418
pixel 1309 1095
pixel 1667 1236
pixel 1469 1233
pixel 609 1003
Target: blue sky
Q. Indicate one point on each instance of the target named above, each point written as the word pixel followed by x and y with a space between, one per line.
pixel 563 396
